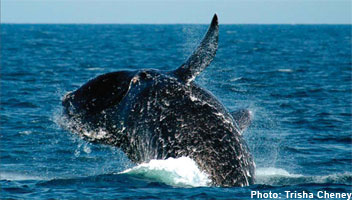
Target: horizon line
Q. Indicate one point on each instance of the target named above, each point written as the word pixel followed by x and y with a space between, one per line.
pixel 78 23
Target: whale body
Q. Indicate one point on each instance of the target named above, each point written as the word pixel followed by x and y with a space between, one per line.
pixel 152 114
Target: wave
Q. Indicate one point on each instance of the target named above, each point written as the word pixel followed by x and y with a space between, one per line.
pixel 285 70
pixel 11 176
pixel 278 177
pixel 181 172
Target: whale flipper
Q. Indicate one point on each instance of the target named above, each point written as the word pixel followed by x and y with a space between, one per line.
pixel 202 56
pixel 243 118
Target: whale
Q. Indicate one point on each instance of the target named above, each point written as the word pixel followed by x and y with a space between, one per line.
pixel 153 114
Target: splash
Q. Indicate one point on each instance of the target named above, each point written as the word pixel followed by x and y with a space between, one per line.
pixel 180 172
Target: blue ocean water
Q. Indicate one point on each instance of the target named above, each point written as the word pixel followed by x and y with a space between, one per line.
pixel 297 80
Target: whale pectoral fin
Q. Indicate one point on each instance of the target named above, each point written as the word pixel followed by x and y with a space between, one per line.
pixel 243 118
pixel 202 56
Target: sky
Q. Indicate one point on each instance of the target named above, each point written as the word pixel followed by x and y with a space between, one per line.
pixel 177 11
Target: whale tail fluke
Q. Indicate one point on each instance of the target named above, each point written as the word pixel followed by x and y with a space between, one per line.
pixel 202 56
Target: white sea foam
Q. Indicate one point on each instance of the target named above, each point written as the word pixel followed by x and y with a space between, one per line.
pixel 270 174
pixel 235 79
pixel 285 70
pixel 271 171
pixel 172 171
pixel 94 69
pixel 25 132
pixel 277 176
pixel 17 176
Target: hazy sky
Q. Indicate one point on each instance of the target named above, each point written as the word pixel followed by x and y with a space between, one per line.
pixel 177 11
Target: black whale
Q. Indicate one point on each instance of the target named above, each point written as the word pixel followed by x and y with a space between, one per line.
pixel 153 114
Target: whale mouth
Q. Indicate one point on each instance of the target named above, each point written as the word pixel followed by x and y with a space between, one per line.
pixel 71 106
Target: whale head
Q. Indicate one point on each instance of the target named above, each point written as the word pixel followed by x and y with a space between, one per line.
pixel 98 94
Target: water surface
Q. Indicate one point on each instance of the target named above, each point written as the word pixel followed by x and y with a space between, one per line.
pixel 295 79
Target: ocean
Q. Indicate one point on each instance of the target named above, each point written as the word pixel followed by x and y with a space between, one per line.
pixel 296 79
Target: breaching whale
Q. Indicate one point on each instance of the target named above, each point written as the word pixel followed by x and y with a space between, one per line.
pixel 152 114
